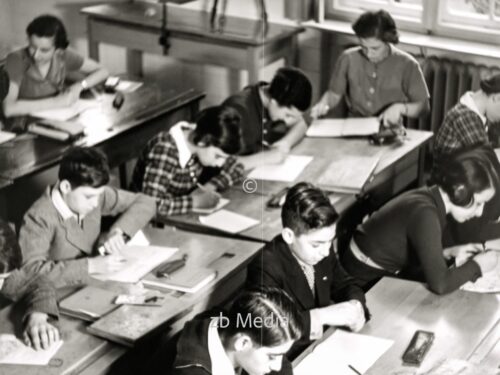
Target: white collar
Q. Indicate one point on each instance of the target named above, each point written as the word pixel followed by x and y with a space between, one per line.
pixel 3 276
pixel 180 140
pixel 60 204
pixel 469 102
pixel 221 364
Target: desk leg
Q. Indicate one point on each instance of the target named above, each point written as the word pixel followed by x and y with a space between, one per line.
pixel 254 64
pixel 134 62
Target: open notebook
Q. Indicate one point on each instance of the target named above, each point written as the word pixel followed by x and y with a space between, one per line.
pixel 345 127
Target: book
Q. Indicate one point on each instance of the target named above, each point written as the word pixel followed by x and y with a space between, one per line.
pixel 188 279
pixel 59 130
pixel 6 136
pixel 346 127
pixel 349 174
pixel 89 303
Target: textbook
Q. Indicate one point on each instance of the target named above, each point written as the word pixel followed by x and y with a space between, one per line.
pixel 59 130
pixel 345 127
pixel 349 174
pixel 188 279
pixel 88 303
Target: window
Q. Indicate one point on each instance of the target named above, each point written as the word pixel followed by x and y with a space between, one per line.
pixel 480 19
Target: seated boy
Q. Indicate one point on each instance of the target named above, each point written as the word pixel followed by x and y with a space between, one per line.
pixel 60 235
pixel 302 261
pixel 271 115
pixel 177 162
pixel 39 299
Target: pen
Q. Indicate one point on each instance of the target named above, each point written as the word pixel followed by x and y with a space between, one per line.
pixel 353 369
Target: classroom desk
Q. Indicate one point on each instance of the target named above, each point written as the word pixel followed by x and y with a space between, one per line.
pixel 398 168
pixel 242 43
pixel 92 355
pixel 144 113
pixel 466 325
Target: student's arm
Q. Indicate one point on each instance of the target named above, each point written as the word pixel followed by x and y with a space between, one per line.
pixel 135 209
pixel 425 238
pixel 231 172
pixel 328 101
pixel 95 73
pixel 294 135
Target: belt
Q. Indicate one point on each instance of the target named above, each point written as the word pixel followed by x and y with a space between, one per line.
pixel 359 255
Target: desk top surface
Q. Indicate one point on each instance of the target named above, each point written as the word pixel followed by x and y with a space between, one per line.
pixel 193 22
pixel 324 150
pixel 81 348
pixel 28 153
pixel 466 325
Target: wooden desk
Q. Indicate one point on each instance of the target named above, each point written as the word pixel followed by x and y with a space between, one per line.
pixel 241 44
pixel 144 113
pixel 83 351
pixel 466 325
pixel 399 167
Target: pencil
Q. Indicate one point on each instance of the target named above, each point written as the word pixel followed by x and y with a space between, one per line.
pixel 353 369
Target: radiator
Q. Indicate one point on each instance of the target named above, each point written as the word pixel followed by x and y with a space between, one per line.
pixel 447 80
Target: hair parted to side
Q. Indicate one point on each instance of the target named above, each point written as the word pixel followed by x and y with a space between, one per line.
pixel 378 25
pixel 49 26
pixel 291 87
pixel 10 252
pixel 84 167
pixel 218 126
pixel 307 208
pixel 266 304
pixel 464 174
pixel 490 85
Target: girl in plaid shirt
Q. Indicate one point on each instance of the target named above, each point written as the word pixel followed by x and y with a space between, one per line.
pixel 176 163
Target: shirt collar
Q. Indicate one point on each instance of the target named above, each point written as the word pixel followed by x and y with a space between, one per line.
pixel 221 364
pixel 180 140
pixel 60 205
pixel 469 102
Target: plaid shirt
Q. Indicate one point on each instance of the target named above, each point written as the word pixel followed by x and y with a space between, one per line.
pixel 461 128
pixel 159 173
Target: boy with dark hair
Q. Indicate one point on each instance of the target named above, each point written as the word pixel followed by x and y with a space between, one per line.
pixel 176 163
pixel 302 261
pixel 61 232
pixel 271 115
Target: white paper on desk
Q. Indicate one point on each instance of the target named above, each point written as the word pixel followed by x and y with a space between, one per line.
pixel 341 349
pixel 65 113
pixel 13 351
pixel 6 136
pixel 345 127
pixel 228 221
pixel 287 171
pixel 139 239
pixel 222 202
pixel 487 283
pixel 128 86
pixel 140 260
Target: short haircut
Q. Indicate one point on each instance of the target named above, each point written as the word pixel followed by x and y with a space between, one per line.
pixel 465 173
pixel 84 167
pixel 378 25
pixel 307 208
pixel 291 87
pixel 490 85
pixel 280 321
pixel 218 126
pixel 49 26
pixel 10 252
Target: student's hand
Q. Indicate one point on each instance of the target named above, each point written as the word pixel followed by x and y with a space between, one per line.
pixel 393 115
pixel 319 109
pixel 462 251
pixel 70 96
pixel 282 147
pixel 350 314
pixel 38 332
pixel 211 156
pixel 204 198
pixel 105 264
pixel 273 156
pixel 487 260
pixel 112 242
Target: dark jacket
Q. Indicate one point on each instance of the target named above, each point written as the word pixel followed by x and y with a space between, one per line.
pixel 276 266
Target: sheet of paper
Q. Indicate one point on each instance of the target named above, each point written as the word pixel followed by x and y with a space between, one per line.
pixel 287 171
pixel 488 283
pixel 6 136
pixel 139 261
pixel 341 349
pixel 139 240
pixel 348 127
pixel 128 86
pixel 222 202
pixel 64 114
pixel 228 221
pixel 13 351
